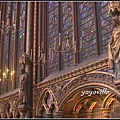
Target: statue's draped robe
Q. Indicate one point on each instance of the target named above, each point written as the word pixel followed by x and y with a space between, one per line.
pixel 114 47
pixel 23 88
pixel 114 52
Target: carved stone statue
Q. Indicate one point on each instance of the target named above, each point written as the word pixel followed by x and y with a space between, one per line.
pixel 114 43
pixel 23 85
pixel 23 79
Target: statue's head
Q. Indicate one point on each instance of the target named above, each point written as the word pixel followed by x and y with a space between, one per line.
pixel 114 11
pixel 114 8
pixel 24 59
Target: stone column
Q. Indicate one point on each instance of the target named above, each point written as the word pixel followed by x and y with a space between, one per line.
pixel 106 112
pixel 35 49
pixel 2 115
pixel 90 114
pixel 48 115
pixel 23 110
pixel 39 36
pixel 22 114
pixel 29 40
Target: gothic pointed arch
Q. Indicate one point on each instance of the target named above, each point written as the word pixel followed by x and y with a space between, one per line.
pixel 16 111
pixel 46 103
pixel 93 80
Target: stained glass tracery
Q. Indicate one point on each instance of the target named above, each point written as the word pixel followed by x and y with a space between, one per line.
pixel 52 37
pixel 21 33
pixel 105 25
pixel 6 41
pixel 12 35
pixel 6 44
pixel 67 33
pixel 21 40
pixel 87 35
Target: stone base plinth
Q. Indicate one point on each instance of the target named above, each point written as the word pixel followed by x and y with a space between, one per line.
pixel 23 108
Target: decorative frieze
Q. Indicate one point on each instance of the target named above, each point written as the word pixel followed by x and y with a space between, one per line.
pixel 64 84
pixel 77 72
pixel 8 96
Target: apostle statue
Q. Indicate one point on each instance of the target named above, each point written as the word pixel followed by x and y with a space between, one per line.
pixel 114 43
pixel 23 85
pixel 23 80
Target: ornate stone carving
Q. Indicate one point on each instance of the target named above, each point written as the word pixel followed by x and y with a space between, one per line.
pixel 106 112
pixel 90 114
pixel 63 84
pixel 75 73
pixel 23 80
pixel 114 46
pixel 47 101
pixel 24 59
pixel 116 113
pixel 2 111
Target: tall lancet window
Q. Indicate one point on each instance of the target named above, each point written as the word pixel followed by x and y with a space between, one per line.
pixel 6 38
pixel 12 39
pixel 67 34
pixel 12 35
pixel 5 65
pixel 21 33
pixel 52 37
pixel 60 36
pixel 87 35
pixel 105 25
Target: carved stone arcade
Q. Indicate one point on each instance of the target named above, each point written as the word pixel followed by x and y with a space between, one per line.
pixel 65 86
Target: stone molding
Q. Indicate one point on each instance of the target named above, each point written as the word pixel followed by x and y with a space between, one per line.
pixel 77 72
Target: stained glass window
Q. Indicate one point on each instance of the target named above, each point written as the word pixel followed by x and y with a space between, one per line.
pixel 5 52
pixel 11 56
pixel 12 38
pixel 5 64
pixel 87 35
pixel 67 33
pixel 21 36
pixel 92 32
pixel 6 42
pixel 52 36
pixel 105 25
pixel 21 33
